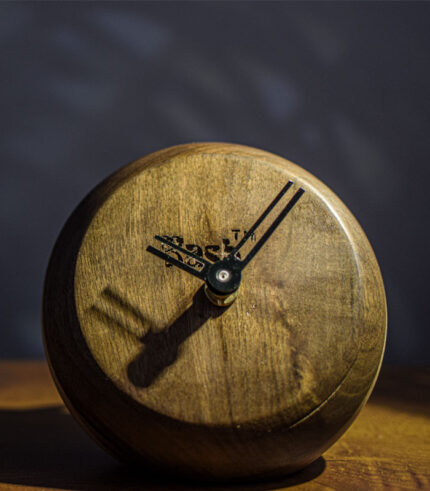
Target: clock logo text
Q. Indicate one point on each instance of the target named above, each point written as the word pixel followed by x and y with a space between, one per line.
pixel 212 252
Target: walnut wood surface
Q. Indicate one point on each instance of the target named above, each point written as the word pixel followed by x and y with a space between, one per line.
pixel 41 447
pixel 153 370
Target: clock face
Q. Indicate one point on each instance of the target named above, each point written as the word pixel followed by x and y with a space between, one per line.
pixel 280 349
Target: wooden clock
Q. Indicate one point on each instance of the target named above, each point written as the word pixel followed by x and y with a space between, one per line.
pixel 215 310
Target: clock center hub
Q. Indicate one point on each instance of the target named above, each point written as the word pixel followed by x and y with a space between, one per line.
pixel 223 275
pixel 223 281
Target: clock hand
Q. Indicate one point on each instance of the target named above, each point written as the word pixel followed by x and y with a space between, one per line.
pixel 248 235
pixel 199 259
pixel 223 277
pixel 226 277
pixel 176 262
pixel 272 227
pixel 200 273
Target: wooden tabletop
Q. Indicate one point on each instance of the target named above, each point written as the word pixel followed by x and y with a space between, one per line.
pixel 41 446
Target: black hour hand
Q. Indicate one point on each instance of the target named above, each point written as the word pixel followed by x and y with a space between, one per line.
pixel 199 273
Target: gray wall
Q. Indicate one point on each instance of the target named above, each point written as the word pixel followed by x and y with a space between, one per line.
pixel 339 88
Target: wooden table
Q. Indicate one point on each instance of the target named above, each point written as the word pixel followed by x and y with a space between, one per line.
pixel 41 447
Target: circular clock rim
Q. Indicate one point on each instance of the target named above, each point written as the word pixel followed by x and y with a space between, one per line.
pixel 61 353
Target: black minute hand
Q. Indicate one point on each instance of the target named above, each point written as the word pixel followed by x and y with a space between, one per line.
pixel 223 277
pixel 272 227
pixel 272 205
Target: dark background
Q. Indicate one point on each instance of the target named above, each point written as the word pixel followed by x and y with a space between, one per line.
pixel 339 88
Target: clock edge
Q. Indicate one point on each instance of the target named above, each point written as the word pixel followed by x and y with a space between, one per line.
pixel 80 220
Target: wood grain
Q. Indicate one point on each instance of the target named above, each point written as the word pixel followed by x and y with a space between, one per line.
pixel 41 447
pixel 157 373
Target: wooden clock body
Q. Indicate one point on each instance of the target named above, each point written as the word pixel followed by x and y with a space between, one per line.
pixel 159 375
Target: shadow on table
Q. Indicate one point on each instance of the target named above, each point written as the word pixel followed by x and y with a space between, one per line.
pixel 46 448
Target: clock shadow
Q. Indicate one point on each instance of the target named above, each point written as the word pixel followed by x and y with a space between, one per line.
pixel 44 447
pixel 160 348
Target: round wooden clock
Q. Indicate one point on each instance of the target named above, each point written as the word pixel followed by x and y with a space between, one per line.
pixel 215 310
